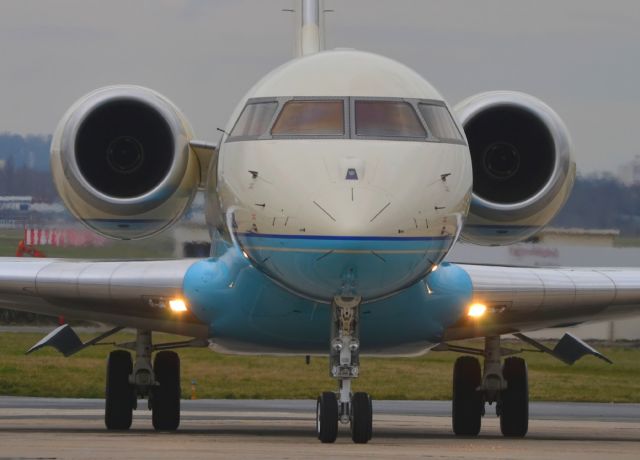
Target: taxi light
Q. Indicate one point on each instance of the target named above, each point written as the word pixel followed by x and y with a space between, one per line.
pixel 177 305
pixel 477 310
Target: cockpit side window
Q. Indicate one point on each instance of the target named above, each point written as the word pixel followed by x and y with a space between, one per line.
pixel 440 122
pixel 310 118
pixel 384 119
pixel 255 119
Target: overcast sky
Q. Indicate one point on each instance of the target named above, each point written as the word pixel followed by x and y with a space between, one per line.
pixel 582 57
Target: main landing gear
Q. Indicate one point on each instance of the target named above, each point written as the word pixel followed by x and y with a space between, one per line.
pixel 344 363
pixel 159 383
pixel 506 385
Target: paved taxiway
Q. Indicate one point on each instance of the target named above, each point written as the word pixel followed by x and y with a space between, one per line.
pixel 73 428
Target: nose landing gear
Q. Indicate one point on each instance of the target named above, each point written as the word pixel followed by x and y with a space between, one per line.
pixel 344 365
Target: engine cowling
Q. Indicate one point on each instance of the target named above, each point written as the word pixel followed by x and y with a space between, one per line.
pixel 523 170
pixel 122 164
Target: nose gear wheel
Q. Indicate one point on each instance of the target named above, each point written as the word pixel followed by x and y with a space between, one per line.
pixel 361 418
pixel 327 417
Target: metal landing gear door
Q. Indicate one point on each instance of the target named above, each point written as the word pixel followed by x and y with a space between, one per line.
pixel 568 350
pixel 66 341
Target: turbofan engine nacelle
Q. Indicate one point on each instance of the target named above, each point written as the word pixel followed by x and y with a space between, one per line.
pixel 122 164
pixel 523 170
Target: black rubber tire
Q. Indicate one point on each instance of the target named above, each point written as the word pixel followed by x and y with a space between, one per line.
pixel 467 402
pixel 119 393
pixel 165 404
pixel 361 418
pixel 514 404
pixel 327 417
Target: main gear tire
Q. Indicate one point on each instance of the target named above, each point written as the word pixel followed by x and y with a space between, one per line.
pixel 467 401
pixel 119 393
pixel 165 404
pixel 514 404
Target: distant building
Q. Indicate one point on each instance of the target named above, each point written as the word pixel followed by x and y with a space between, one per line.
pixel 3 164
pixel 629 173
pixel 551 236
pixel 15 203
pixel 14 211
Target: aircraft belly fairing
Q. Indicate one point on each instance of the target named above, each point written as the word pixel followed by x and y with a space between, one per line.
pixel 252 314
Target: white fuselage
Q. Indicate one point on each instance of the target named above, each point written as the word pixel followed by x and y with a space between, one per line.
pixel 345 214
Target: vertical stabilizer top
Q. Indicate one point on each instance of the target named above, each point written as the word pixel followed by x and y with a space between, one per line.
pixel 310 27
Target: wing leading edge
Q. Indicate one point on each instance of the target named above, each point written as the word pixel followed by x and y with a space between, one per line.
pixel 136 293
pixel 522 299
pixel 124 293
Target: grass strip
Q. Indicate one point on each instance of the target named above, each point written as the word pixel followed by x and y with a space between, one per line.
pixel 47 373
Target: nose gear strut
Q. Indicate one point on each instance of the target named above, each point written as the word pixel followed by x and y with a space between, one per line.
pixel 344 365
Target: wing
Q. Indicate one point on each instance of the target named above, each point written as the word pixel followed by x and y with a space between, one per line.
pixel 128 294
pixel 522 299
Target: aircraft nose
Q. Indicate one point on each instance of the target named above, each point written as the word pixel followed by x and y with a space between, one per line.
pixel 349 238
pixel 348 210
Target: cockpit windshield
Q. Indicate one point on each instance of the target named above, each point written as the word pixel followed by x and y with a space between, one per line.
pixel 387 119
pixel 415 120
pixel 310 118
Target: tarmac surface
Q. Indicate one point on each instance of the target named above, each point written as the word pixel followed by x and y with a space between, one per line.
pixel 47 428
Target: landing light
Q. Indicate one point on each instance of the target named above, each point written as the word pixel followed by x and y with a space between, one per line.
pixel 177 305
pixel 434 268
pixel 477 310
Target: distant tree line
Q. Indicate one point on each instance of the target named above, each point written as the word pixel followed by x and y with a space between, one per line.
pixel 601 201
pixel 31 151
pixel 27 181
pixel 9 317
pixel 25 170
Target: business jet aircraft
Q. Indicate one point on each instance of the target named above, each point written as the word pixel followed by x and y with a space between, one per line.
pixel 339 186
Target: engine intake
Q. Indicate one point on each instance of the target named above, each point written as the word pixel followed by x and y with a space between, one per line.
pixel 523 169
pixel 124 148
pixel 121 162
